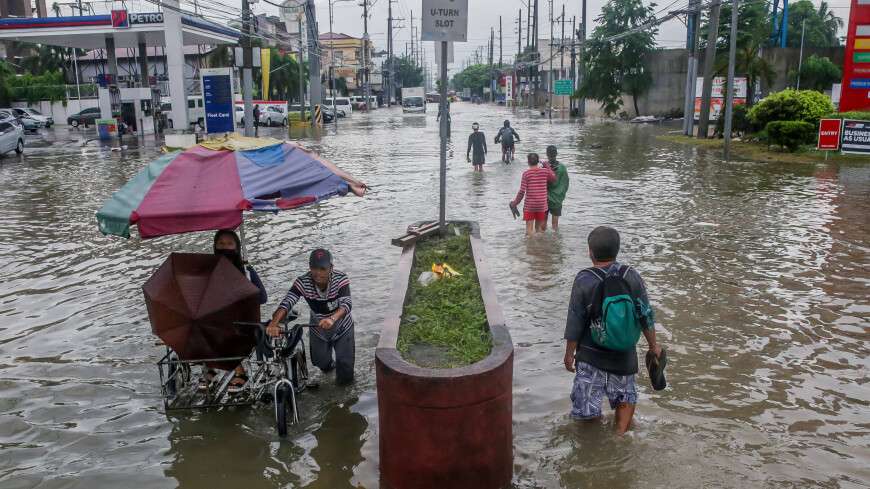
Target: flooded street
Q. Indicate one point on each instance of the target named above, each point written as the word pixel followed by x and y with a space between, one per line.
pixel 759 275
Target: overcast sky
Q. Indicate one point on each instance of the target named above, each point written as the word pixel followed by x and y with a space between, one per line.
pixel 483 15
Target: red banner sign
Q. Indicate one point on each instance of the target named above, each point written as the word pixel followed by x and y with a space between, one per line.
pixel 855 93
pixel 829 134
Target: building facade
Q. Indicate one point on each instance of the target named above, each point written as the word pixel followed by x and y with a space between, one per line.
pixel 344 55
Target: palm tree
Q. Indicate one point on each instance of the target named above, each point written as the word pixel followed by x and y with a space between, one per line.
pixel 750 64
pixel 831 22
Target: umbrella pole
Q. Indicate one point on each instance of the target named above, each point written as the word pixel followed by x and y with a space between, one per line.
pixel 244 249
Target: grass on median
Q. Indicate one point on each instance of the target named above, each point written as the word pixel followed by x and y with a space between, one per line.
pixel 444 323
pixel 761 152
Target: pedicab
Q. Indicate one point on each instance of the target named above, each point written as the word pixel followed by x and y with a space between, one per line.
pixel 202 308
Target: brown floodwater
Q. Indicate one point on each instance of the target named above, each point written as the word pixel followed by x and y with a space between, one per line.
pixel 759 275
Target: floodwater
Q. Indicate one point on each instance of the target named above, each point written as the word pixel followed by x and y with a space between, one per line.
pixel 759 274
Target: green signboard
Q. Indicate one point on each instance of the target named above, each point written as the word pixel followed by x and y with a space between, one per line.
pixel 861 57
pixel 563 87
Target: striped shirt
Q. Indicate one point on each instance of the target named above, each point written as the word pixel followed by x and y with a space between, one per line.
pixel 534 188
pixel 323 303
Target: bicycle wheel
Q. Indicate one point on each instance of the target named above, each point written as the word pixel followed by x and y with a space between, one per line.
pixel 282 405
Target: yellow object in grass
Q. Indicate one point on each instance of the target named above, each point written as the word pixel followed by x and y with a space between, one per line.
pixel 442 270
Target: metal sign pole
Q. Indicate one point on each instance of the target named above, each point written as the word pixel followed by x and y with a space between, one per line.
pixel 445 116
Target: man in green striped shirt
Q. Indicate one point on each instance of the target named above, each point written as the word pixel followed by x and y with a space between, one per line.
pixel 556 190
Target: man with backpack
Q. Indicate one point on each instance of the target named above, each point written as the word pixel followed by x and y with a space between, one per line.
pixel 608 311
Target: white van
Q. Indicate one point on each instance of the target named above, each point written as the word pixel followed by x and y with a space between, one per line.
pixel 195 110
pixel 343 104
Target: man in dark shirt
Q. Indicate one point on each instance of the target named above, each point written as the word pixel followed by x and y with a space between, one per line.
pixel 327 292
pixel 600 371
pixel 476 142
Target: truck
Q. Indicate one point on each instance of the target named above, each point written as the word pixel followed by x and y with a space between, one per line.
pixel 413 100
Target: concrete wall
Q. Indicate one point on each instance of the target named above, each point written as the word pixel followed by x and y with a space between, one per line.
pixel 668 67
pixel 57 110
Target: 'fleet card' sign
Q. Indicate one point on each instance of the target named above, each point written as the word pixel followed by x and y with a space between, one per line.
pixel 217 97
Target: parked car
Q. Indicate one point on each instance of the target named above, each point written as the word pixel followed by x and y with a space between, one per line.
pixel 293 113
pixel 273 115
pixel 29 123
pixel 85 117
pixel 344 103
pixel 26 112
pixel 11 136
pixel 327 105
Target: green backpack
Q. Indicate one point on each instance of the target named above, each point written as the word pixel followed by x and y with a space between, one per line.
pixel 615 311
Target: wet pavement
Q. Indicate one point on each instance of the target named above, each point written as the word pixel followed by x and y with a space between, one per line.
pixel 759 274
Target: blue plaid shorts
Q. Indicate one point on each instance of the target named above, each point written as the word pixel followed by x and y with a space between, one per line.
pixel 591 384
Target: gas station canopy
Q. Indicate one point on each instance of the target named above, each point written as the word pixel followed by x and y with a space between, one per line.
pixel 90 31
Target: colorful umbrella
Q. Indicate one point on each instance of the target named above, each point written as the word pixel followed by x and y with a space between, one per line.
pixel 192 301
pixel 208 186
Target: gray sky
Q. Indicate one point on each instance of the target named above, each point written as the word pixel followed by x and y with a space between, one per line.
pixel 483 15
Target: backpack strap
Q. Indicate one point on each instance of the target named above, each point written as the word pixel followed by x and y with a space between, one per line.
pixel 595 271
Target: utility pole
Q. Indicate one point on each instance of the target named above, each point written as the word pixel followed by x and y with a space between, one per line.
pixel 582 102
pixel 801 57
pixel 331 67
pixel 729 97
pixel 301 73
pixel 444 127
pixel 247 69
pixel 500 39
pixel 536 55
pixel 389 78
pixel 562 52
pixel 315 87
pixel 491 73
pixel 573 64
pixel 520 33
pixel 550 73
pixel 707 91
pixel 692 35
pixel 365 53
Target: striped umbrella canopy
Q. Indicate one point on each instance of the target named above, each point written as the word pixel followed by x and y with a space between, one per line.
pixel 208 186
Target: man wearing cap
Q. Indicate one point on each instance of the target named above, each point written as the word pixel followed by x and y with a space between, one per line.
pixel 327 292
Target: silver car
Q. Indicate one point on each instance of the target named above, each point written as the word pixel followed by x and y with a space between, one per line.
pixel 27 112
pixel 11 136
pixel 29 123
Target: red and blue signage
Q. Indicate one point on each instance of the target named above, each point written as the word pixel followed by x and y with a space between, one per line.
pixel 120 19
pixel 855 93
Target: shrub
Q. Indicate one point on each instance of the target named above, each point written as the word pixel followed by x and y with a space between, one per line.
pixel 790 134
pixel 740 122
pixel 854 115
pixel 791 105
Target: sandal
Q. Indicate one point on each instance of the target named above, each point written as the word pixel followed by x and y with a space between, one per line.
pixel 206 379
pixel 235 386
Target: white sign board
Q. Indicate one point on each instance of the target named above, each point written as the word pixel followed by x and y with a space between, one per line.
pixel 445 20
pixel 509 87
pixel 438 53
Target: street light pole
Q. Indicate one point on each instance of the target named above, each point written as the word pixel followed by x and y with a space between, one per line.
pixel 801 57
pixel 247 69
pixel 332 68
pixel 729 98
pixel 445 116
pixel 365 54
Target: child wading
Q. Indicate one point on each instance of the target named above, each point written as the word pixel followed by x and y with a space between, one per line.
pixel 534 188
pixel 608 311
pixel 556 190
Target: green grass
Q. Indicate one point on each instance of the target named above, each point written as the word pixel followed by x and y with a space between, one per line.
pixel 444 324
pixel 755 151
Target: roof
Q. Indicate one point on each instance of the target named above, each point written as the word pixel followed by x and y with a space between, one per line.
pixel 335 36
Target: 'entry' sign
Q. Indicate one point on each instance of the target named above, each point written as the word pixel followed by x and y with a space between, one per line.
pixel 445 20
pixel 829 134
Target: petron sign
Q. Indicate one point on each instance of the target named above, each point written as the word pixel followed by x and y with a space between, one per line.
pixel 855 93
pixel 121 19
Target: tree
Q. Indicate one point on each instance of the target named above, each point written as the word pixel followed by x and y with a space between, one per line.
pixel 817 73
pixel 753 26
pixel 284 79
pixel 822 25
pixel 475 77
pixel 615 67
pixel 407 73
